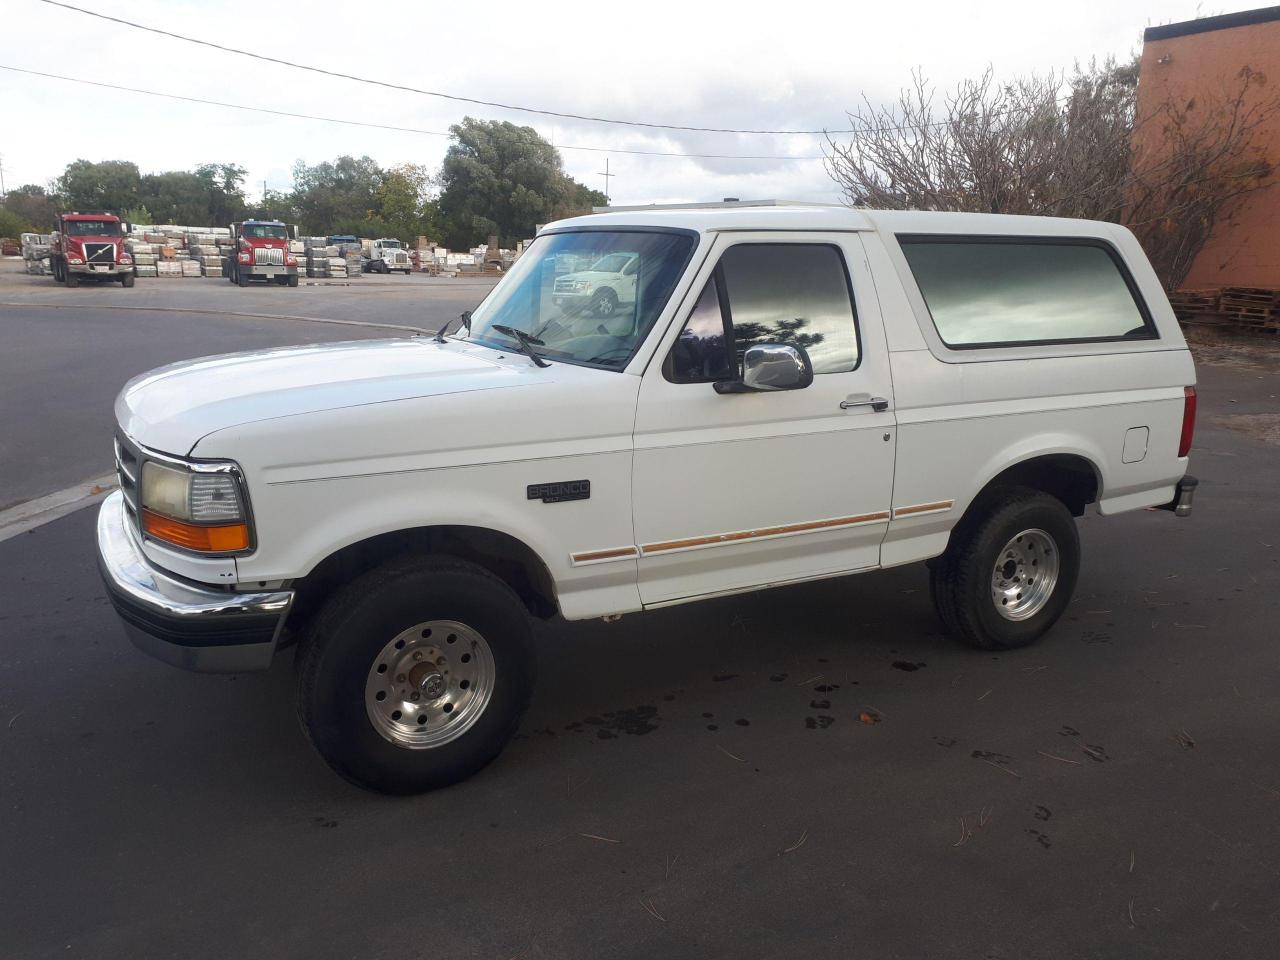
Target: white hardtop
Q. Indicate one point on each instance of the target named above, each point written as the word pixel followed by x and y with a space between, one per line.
pixel 800 216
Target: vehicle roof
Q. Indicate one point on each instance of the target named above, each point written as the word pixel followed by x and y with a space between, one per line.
pixel 264 223
pixel 784 215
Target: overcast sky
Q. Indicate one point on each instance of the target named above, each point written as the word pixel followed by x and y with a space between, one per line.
pixel 744 64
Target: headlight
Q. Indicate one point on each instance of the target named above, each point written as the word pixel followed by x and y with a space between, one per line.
pixel 74 260
pixel 195 509
pixel 583 286
pixel 243 257
pixel 125 258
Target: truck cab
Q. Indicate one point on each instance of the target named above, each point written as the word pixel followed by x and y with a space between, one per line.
pixel 792 392
pixel 261 253
pixel 90 246
pixel 386 255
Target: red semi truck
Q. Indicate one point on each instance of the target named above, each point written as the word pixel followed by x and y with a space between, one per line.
pixel 90 246
pixel 261 253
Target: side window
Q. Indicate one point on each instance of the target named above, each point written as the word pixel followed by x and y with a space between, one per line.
pixel 1009 291
pixel 769 293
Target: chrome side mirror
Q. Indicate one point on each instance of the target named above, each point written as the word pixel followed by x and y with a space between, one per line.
pixel 771 366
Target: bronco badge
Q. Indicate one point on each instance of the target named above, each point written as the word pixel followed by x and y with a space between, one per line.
pixel 561 491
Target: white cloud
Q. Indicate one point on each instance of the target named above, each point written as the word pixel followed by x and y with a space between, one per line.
pixel 723 65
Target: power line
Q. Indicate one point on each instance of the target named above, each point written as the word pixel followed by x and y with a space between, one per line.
pixel 385 126
pixel 425 93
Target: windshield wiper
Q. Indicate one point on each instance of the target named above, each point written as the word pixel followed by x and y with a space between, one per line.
pixel 527 343
pixel 464 316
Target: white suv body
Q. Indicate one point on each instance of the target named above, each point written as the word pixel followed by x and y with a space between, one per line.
pixel 904 384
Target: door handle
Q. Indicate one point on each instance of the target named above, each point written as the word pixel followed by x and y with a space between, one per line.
pixel 878 404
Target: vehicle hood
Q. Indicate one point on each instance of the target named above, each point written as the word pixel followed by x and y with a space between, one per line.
pixel 169 409
pixel 591 275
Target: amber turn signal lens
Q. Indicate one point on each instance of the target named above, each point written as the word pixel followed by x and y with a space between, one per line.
pixel 226 538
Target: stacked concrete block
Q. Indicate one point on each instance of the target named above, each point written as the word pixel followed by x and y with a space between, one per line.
pixel 35 252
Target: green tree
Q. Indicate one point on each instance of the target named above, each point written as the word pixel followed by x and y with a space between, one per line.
pixel 11 224
pixel 138 215
pixel 33 204
pixel 345 189
pixel 109 185
pixel 499 178
pixel 404 202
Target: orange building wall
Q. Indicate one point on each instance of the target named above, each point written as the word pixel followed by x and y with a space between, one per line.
pixel 1244 250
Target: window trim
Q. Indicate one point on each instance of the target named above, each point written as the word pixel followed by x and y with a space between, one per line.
pixel 1150 331
pixel 726 308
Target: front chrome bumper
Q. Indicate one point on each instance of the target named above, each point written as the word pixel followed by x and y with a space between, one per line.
pixel 185 624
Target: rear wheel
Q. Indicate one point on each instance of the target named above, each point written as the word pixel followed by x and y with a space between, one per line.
pixel 415 675
pixel 1009 572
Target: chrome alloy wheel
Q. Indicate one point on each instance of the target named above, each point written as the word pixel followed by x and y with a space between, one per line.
pixel 1025 574
pixel 430 684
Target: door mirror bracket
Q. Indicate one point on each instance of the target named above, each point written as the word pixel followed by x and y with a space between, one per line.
pixel 767 367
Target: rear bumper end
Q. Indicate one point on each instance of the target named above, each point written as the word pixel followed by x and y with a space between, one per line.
pixel 1184 494
pixel 185 624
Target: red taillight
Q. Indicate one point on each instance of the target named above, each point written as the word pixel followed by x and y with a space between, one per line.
pixel 1188 421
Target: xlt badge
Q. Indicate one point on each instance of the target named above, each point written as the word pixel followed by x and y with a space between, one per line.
pixel 560 491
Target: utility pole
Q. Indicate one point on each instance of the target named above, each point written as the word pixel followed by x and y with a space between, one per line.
pixel 2 190
pixel 607 175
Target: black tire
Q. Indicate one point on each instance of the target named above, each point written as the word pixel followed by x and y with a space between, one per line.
pixel 605 303
pixel 293 279
pixel 241 278
pixel 963 578
pixel 351 631
pixel 69 278
pixel 126 279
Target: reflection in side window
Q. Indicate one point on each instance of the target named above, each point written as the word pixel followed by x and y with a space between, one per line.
pixel 984 293
pixel 792 293
pixel 769 293
pixel 700 354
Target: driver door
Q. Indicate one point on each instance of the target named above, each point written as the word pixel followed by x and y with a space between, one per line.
pixel 739 490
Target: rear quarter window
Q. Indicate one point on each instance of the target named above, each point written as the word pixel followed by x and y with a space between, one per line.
pixel 991 292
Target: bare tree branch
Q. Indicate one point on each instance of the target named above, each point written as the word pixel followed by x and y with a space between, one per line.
pixel 1064 146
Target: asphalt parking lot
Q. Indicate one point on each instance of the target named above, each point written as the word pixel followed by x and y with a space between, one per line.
pixel 807 772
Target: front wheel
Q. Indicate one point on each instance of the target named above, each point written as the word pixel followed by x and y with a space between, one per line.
pixel 241 278
pixel 1009 572
pixel 605 303
pixel 69 278
pixel 126 279
pixel 293 279
pixel 415 675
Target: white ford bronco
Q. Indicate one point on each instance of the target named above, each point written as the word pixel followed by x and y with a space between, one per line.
pixel 792 392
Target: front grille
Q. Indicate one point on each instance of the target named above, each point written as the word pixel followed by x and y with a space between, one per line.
pixel 402 258
pixel 100 252
pixel 268 255
pixel 129 474
pixel 564 285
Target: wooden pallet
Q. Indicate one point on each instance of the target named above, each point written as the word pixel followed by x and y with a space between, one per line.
pixel 1248 309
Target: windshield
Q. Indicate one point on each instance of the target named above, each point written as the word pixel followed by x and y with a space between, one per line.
pixel 265 231
pixel 93 228
pixel 599 321
pixel 390 244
